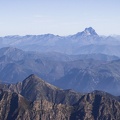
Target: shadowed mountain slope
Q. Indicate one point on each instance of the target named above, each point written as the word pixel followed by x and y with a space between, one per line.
pixel 94 106
pixel 15 107
pixel 33 88
pixel 83 73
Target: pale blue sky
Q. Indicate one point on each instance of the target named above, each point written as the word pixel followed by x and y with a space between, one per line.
pixel 61 17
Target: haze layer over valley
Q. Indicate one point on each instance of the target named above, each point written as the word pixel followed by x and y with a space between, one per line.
pixel 83 62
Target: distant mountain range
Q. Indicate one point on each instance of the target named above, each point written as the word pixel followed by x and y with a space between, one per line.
pixel 84 73
pixel 84 62
pixel 85 42
pixel 34 99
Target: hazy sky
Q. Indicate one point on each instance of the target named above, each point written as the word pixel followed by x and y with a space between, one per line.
pixel 62 17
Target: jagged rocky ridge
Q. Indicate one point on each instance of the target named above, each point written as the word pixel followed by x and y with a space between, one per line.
pixel 18 105
pixel 33 88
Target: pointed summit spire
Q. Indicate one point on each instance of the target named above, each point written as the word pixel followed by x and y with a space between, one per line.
pixel 87 32
pixel 90 31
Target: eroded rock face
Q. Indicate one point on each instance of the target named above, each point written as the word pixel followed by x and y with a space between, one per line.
pixel 34 99
pixel 34 89
pixel 92 106
pixel 97 106
pixel 15 107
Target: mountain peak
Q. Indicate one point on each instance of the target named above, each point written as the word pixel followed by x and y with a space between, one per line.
pixel 37 82
pixel 90 31
pixel 87 32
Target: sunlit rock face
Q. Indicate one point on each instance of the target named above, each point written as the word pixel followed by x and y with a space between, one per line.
pixel 21 105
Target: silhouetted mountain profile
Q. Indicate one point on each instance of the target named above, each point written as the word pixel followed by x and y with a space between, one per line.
pixel 85 42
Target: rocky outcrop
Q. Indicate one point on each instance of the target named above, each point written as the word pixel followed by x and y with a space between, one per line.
pixel 15 107
pixel 92 106
pixel 34 99
pixel 34 88
pixel 96 106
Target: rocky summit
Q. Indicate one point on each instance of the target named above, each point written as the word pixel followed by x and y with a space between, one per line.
pixel 34 99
